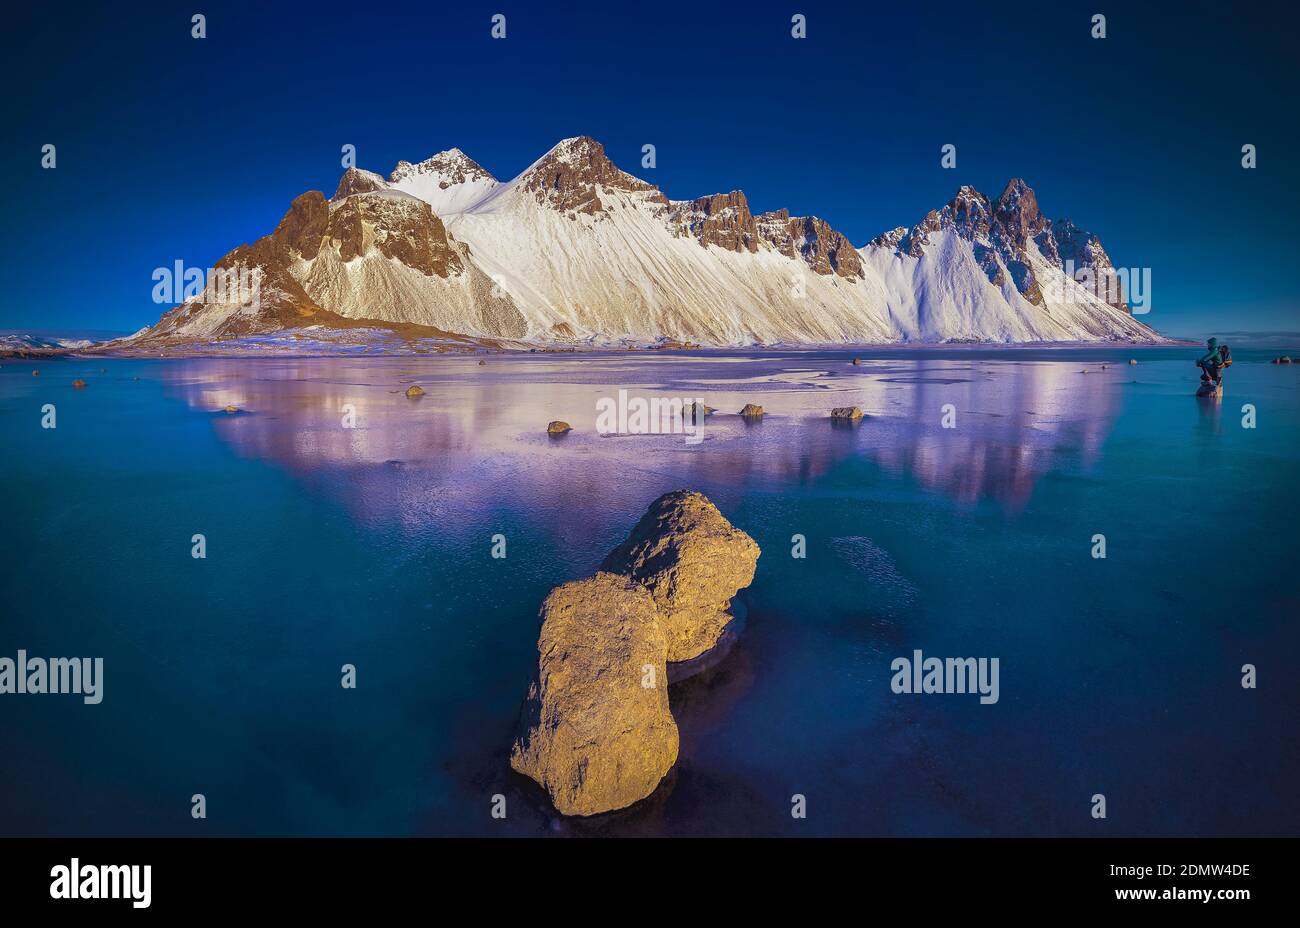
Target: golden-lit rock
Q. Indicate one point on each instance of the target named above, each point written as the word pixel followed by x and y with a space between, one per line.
pixel 693 561
pixel 596 732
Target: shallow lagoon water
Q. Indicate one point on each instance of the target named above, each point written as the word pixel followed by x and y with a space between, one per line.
pixel 372 546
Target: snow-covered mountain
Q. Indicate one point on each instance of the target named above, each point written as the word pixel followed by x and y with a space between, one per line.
pixel 993 270
pixel 30 341
pixel 574 248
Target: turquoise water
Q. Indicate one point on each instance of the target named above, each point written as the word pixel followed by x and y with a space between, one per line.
pixel 372 546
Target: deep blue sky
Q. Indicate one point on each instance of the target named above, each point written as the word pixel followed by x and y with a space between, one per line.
pixel 174 148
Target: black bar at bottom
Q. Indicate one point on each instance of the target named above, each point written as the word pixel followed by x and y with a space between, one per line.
pixel 332 876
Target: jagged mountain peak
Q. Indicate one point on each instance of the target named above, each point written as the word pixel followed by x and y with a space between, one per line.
pixel 1017 208
pixel 453 166
pixel 1016 187
pixel 571 176
pixel 356 180
pixel 576 152
pixel 450 181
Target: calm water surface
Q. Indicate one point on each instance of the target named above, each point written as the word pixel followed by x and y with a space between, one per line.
pixel 372 546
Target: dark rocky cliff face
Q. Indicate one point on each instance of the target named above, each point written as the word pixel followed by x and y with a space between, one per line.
pixel 823 249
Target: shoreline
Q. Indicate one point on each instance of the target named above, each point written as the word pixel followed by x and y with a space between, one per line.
pixel 362 350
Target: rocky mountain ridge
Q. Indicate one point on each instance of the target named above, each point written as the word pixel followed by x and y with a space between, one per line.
pixel 574 249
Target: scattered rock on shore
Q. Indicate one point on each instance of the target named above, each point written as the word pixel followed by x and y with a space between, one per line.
pixel 596 731
pixel 852 413
pixel 693 561
pixel 558 427
pixel 752 411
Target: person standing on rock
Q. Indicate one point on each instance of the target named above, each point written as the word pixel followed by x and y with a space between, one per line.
pixel 1213 362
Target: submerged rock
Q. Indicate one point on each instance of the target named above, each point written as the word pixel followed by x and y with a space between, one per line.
pixel 79 384
pixel 596 732
pixel 752 412
pixel 693 561
pixel 414 390
pixel 558 427
pixel 1284 359
pixel 852 413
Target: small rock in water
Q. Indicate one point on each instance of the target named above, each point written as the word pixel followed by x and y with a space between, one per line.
pixel 752 411
pixel 1284 359
pixel 595 731
pixel 232 409
pixel 857 361
pixel 414 391
pixel 1132 360
pixel 846 412
pixel 481 363
pixel 694 410
pixel 79 384
pixel 36 373
pixel 558 427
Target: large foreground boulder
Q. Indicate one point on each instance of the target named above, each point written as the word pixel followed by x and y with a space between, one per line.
pixel 693 561
pixel 596 730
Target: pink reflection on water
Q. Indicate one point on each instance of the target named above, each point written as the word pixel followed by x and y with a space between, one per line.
pixel 476 441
